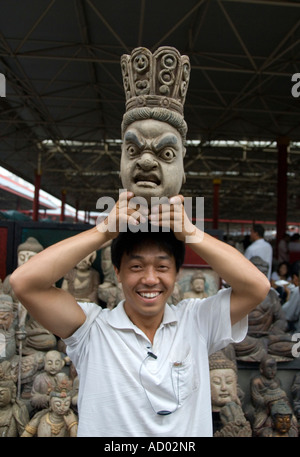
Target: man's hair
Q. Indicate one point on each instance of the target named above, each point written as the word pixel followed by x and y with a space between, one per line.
pixel 258 228
pixel 128 242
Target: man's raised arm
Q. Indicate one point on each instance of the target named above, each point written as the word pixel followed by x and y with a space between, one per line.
pixel 33 282
pixel 249 286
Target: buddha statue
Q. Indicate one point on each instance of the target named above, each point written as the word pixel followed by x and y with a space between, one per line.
pixel 13 412
pixel 267 328
pixel 31 336
pixel 56 421
pixel 47 380
pixel 197 286
pixel 265 391
pixel 83 280
pixel 228 415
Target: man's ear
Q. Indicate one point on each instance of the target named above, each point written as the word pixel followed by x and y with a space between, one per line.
pixel 117 273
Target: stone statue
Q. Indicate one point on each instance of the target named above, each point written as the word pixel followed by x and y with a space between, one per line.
pixel 228 416
pixel 110 291
pixel 7 328
pixel 23 368
pixel 31 336
pixel 153 127
pixel 265 392
pixel 56 421
pixel 267 328
pixel 234 422
pixel 281 422
pixel 197 286
pixel 48 380
pixel 13 412
pixel 83 280
pixel 295 391
pixel 176 295
pixel 25 251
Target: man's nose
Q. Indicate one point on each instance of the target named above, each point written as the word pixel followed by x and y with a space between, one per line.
pixel 147 162
pixel 150 276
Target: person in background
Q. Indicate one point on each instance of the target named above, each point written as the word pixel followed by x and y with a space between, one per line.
pixel 260 247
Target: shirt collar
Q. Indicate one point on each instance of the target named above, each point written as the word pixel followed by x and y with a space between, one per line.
pixel 118 318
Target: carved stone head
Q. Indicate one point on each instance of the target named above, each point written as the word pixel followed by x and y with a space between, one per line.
pixel 223 381
pixel 153 127
pixel 28 249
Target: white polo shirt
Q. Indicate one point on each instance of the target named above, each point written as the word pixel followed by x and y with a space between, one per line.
pixel 121 389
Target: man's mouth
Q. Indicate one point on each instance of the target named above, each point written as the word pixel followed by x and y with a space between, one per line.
pixel 149 295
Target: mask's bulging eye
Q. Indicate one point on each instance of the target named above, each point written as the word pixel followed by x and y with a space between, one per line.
pixel 132 150
pixel 167 154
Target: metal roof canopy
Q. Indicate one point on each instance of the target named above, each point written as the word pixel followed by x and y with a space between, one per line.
pixel 65 99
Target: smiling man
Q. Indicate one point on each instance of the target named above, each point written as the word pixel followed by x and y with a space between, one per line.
pixel 143 366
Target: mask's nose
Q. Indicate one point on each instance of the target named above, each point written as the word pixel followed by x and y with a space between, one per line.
pixel 147 162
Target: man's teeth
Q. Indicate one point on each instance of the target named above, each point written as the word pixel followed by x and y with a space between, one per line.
pixel 149 294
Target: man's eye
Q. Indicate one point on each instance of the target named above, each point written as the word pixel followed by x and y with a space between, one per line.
pixel 136 267
pixel 167 154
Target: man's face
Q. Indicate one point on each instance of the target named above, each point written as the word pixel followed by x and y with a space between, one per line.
pixel 148 277
pixel 152 159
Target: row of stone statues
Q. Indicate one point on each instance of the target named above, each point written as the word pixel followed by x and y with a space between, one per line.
pixel 51 408
pixel 269 414
pixel 38 384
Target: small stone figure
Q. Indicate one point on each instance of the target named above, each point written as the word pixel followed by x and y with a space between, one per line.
pixel 7 328
pixel 13 412
pixel 280 422
pixel 295 390
pixel 234 422
pixel 31 336
pixel 228 416
pixel 48 380
pixel 197 286
pixel 176 296
pixel 267 328
pixel 110 291
pixel 265 392
pixel 83 280
pixel 56 421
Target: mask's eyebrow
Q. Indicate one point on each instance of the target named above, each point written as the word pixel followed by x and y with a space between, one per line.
pixel 132 138
pixel 168 140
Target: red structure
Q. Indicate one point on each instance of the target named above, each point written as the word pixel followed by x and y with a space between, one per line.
pixel 281 218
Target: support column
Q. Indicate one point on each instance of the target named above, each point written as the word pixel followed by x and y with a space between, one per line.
pixel 76 213
pixel 282 166
pixel 63 202
pixel 36 203
pixel 216 183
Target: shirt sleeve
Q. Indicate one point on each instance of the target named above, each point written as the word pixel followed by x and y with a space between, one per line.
pixel 76 342
pixel 214 322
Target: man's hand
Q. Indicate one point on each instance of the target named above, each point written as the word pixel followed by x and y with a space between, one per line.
pixel 122 215
pixel 172 215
